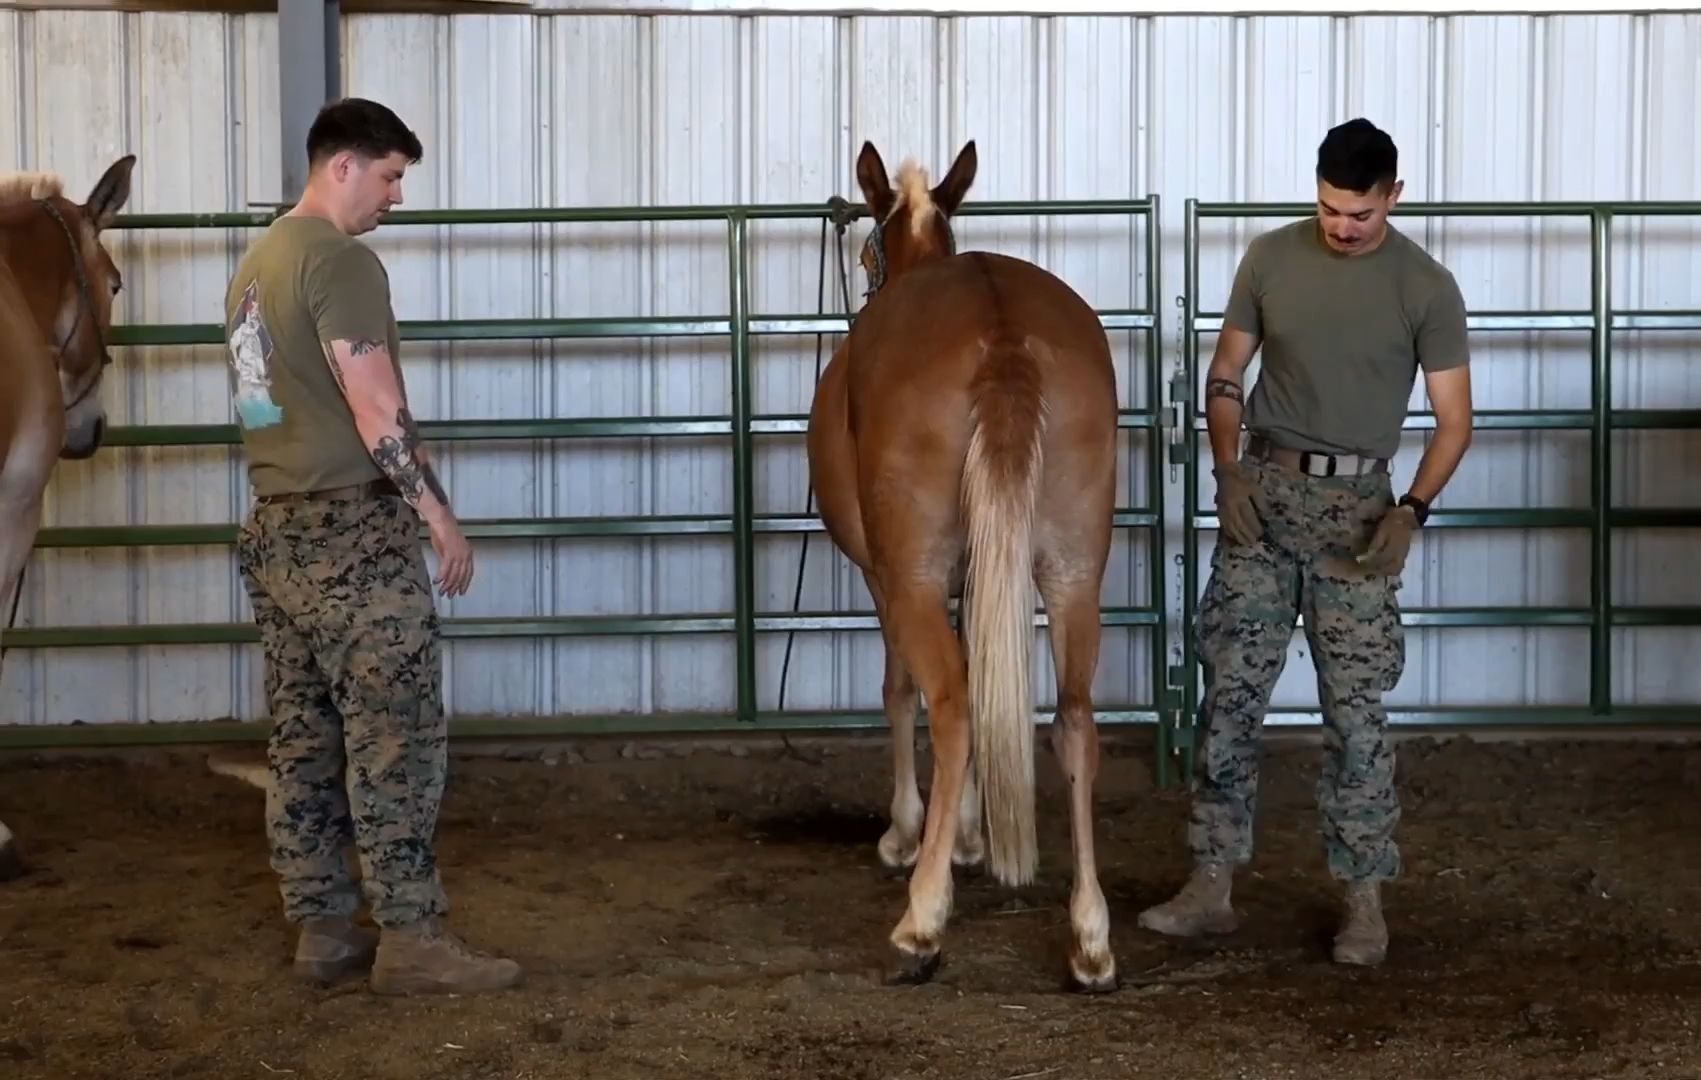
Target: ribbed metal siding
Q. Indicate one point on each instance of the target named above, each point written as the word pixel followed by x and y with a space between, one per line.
pixel 621 110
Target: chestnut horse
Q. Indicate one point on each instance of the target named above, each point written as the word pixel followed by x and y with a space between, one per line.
pixel 963 440
pixel 57 283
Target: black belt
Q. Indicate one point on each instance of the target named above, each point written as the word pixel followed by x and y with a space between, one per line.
pixel 371 489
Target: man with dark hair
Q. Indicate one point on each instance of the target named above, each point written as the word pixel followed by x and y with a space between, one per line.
pixel 1347 310
pixel 331 560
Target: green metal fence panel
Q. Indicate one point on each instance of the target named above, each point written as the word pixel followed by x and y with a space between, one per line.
pixel 739 325
pixel 1600 420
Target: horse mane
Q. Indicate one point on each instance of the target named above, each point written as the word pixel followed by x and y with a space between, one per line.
pixel 915 193
pixel 23 186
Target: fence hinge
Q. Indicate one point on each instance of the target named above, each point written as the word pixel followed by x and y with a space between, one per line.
pixel 1176 419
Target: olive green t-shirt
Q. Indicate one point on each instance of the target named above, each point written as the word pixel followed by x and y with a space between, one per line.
pixel 302 283
pixel 1343 337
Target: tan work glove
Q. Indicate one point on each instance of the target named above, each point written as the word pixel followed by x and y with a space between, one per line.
pixel 1235 510
pixel 1391 543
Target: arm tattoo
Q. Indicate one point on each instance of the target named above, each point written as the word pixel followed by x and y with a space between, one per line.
pixel 398 457
pixel 1223 388
pixel 336 368
pixel 358 347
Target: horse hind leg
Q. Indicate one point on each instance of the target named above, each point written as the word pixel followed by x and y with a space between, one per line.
pixel 18 525
pixel 11 863
pixel 970 852
pixel 1071 602
pixel 902 840
pixel 919 627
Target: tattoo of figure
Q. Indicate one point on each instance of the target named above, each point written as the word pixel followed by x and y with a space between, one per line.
pixel 364 346
pixel 400 459
pixel 1223 388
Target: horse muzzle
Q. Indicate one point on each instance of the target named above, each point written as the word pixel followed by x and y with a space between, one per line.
pixel 84 438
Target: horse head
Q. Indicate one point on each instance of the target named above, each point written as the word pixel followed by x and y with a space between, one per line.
pixel 70 285
pixel 912 224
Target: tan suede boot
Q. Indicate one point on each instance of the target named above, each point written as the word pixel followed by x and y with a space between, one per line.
pixel 328 949
pixel 1202 905
pixel 426 959
pixel 1363 938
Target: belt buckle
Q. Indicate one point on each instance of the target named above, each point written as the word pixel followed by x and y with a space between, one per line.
pixel 1307 457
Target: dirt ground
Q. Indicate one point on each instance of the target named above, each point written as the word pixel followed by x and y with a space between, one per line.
pixel 723 913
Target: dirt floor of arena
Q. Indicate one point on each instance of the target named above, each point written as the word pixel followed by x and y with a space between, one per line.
pixel 722 913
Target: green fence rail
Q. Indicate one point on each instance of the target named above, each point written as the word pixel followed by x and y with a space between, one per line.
pixel 740 325
pixel 1600 320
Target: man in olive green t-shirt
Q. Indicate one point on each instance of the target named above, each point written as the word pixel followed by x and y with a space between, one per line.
pixel 1347 310
pixel 331 560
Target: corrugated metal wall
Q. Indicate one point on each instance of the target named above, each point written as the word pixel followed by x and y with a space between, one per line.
pixel 521 110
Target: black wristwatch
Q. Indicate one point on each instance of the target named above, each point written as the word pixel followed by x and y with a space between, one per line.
pixel 1419 507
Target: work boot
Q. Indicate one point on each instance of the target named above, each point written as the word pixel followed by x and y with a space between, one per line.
pixel 1363 938
pixel 329 948
pixel 425 958
pixel 1201 905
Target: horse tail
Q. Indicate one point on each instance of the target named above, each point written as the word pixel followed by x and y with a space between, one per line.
pixel 255 773
pixel 1000 482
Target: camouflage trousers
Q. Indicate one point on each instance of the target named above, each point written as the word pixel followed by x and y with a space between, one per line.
pixel 358 748
pixel 1302 565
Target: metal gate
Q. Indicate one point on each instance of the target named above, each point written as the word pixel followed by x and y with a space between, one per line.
pixel 1172 417
pixel 1599 320
pixel 739 325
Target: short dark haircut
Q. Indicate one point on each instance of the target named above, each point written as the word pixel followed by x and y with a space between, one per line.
pixel 1358 156
pixel 365 127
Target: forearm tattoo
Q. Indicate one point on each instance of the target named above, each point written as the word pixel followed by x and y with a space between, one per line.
pixel 399 458
pixel 1223 388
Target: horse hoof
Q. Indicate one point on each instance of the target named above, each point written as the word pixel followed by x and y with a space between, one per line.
pixel 972 861
pixel 1080 982
pixel 1090 974
pixel 915 969
pixel 897 856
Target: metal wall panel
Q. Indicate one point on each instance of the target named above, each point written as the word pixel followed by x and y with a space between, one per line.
pixel 613 110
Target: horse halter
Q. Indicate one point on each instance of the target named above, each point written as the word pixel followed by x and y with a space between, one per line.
pixel 85 301
pixel 876 243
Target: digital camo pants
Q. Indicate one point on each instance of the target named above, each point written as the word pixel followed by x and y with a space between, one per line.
pixel 359 748
pixel 1302 564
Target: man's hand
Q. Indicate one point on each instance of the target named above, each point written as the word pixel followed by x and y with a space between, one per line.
pixel 454 554
pixel 1236 512
pixel 1391 542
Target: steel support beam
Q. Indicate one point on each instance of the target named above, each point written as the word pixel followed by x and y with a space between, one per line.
pixel 309 75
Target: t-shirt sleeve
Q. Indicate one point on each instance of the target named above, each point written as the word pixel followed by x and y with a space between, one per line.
pixel 350 296
pixel 1241 312
pixel 1442 339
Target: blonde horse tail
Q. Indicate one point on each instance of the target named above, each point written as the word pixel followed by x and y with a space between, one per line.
pixel 250 771
pixel 1000 482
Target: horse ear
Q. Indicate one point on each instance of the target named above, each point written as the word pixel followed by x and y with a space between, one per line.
pixel 875 184
pixel 948 195
pixel 110 193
